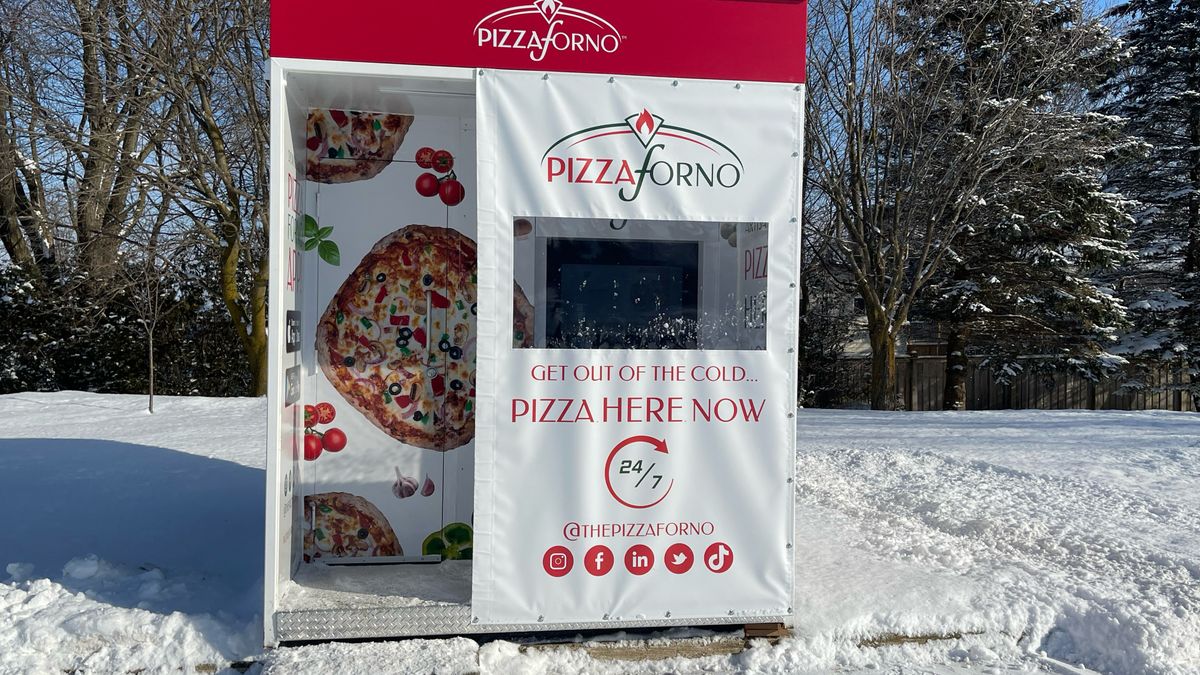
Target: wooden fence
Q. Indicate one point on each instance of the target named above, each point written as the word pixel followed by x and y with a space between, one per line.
pixel 921 381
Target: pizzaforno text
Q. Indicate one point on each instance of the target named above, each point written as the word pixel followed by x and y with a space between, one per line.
pixel 614 171
pixel 537 45
pixel 635 409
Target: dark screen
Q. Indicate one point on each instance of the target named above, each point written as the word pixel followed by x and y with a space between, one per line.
pixel 621 294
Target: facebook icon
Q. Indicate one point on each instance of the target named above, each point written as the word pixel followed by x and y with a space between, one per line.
pixel 598 560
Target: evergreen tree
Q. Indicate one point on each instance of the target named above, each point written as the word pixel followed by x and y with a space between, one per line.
pixel 1018 276
pixel 1159 93
pixel 921 111
pixel 59 335
pixel 1023 278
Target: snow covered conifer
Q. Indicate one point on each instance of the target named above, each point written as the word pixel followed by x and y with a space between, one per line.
pixel 1159 93
pixel 922 112
pixel 1018 279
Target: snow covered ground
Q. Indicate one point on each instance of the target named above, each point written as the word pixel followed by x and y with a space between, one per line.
pixel 935 543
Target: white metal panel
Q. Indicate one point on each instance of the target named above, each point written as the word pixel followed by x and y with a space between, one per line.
pixel 280 477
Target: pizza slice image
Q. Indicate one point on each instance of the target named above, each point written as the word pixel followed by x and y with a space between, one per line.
pixel 342 525
pixel 398 339
pixel 346 146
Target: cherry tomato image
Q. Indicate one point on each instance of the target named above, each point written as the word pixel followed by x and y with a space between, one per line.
pixel 443 161
pixel 339 117
pixel 325 413
pixel 312 447
pixel 425 158
pixel 452 192
pixel 427 185
pixel 310 416
pixel 334 440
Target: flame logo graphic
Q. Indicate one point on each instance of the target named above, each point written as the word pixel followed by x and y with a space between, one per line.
pixel 644 120
pixel 644 125
pixel 548 8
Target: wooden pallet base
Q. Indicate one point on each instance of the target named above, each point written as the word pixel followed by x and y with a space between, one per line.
pixel 658 649
pixel 770 631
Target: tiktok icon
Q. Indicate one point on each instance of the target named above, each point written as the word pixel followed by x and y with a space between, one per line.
pixel 718 557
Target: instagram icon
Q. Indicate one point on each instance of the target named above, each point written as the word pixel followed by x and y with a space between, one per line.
pixel 557 561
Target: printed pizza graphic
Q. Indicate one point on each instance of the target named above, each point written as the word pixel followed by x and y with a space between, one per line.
pixel 398 338
pixel 345 146
pixel 342 525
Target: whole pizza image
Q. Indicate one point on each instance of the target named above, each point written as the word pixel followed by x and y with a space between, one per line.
pixel 530 307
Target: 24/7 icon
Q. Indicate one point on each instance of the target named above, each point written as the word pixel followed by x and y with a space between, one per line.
pixel 636 472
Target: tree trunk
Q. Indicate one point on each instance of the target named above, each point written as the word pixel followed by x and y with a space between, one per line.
pixel 250 315
pixel 883 367
pixel 100 258
pixel 1194 389
pixel 802 360
pixel 954 396
pixel 11 233
pixel 1191 263
pixel 150 350
pixel 256 343
pixel 257 353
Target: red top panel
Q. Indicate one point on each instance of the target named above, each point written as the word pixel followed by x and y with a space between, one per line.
pixel 759 40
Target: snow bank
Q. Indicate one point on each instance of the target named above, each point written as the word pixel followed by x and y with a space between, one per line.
pixel 140 538
pixel 456 656
pixel 47 628
pixel 938 543
pixel 1070 534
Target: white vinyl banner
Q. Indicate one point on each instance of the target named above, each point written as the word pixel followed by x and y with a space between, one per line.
pixel 638 251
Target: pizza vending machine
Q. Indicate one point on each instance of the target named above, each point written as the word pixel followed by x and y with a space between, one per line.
pixel 516 213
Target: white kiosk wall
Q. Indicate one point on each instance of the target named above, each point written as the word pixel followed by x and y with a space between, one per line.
pixel 285 388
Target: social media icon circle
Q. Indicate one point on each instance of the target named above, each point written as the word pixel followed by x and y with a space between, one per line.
pixel 557 561
pixel 679 558
pixel 718 557
pixel 598 560
pixel 639 559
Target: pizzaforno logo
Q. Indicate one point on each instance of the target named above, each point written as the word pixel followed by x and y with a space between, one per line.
pixel 547 25
pixel 640 150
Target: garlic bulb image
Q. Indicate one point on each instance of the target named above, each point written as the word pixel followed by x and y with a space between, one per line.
pixel 405 486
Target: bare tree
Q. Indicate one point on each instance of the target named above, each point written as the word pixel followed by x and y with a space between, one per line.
pixel 25 229
pixel 220 150
pixel 152 271
pixel 111 110
pixel 82 108
pixel 904 147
